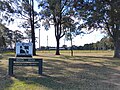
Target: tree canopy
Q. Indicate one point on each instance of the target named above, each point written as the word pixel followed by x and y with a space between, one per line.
pixel 59 13
pixel 101 14
pixel 29 19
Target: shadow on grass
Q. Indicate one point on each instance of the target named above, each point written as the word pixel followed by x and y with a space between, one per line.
pixel 61 75
pixel 1 56
pixel 5 79
pixel 78 57
pixel 7 56
pixel 94 59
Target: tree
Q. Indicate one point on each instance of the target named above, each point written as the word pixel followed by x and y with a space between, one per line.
pixel 65 47
pixel 25 11
pixel 17 36
pixel 9 37
pixel 32 26
pixel 102 14
pixel 6 11
pixel 6 17
pixel 3 36
pixel 2 39
pixel 72 29
pixel 58 13
pixel 28 35
pixel 69 36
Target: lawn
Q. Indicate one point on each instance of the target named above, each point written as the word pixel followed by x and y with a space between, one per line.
pixel 86 70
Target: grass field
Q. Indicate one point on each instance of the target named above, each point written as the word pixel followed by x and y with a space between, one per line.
pixel 86 70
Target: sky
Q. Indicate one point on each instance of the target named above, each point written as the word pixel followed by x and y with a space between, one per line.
pixel 47 38
pixel 78 40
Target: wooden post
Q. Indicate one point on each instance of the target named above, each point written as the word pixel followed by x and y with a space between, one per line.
pixel 40 67
pixel 10 70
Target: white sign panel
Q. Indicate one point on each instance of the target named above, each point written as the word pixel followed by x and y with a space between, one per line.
pixel 24 49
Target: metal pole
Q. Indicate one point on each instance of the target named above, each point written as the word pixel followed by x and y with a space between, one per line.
pixel 47 40
pixel 71 43
pixel 64 41
pixel 39 38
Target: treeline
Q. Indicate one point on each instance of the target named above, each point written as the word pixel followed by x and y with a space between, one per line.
pixel 104 44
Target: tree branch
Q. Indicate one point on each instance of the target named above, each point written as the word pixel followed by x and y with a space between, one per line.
pixel 63 6
pixel 62 35
pixel 108 29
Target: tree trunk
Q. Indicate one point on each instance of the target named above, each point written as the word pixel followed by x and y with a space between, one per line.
pixel 71 51
pixel 32 27
pixel 117 49
pixel 71 44
pixel 57 49
pixel 33 41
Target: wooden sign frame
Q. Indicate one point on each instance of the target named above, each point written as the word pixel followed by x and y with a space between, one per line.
pixel 24 62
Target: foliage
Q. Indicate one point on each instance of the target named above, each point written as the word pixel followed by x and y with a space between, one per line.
pixel 30 18
pixel 28 34
pixel 6 12
pixel 60 14
pixel 20 9
pixel 9 37
pixel 24 13
pixel 17 36
pixel 2 35
pixel 101 14
pixel 104 44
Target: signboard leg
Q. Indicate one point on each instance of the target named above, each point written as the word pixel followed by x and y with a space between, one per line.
pixel 40 67
pixel 10 70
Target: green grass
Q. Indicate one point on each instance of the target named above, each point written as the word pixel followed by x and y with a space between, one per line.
pixel 86 70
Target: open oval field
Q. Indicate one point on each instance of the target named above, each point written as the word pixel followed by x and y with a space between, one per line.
pixel 86 70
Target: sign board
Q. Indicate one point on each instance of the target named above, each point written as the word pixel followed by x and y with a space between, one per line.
pixel 24 62
pixel 24 49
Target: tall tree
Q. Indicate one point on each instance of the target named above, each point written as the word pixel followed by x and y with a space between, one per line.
pixel 25 11
pixel 103 14
pixel 2 39
pixel 57 13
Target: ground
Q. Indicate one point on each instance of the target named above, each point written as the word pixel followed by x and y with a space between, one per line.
pixel 86 70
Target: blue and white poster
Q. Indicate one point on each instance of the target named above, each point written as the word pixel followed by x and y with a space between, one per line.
pixel 24 49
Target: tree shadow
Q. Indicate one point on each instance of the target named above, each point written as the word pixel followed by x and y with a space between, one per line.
pixel 64 75
pixel 7 56
pixel 1 56
pixel 94 59
pixel 5 80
